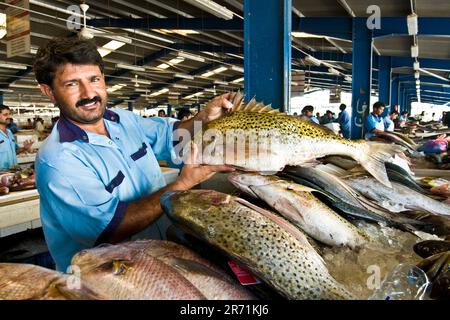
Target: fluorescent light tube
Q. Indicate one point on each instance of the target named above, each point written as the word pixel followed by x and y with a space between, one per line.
pixel 184 76
pixel 220 69
pixel 176 60
pixel 416 66
pixel 163 66
pixel 417 82
pixel 417 74
pixel 213 8
pixel 414 51
pixel 313 60
pixel 157 93
pixel 130 67
pixel 144 82
pixel 238 69
pixel 334 71
pixel 191 56
pixel 180 86
pixel 413 24
pixel 207 74
pixel 11 65
pixel 224 83
pixel 238 80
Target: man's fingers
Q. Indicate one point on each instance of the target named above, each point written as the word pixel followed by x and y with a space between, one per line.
pixel 192 155
pixel 220 168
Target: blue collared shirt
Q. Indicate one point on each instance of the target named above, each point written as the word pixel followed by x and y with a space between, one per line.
pixel 314 119
pixel 85 180
pixel 373 122
pixel 344 121
pixel 8 147
pixel 388 124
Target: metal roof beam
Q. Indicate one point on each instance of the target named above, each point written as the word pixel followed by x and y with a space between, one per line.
pixel 424 63
pixel 179 23
pixel 434 26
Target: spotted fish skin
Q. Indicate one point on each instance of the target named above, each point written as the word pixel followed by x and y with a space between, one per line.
pixel 298 204
pixel 282 140
pixel 287 263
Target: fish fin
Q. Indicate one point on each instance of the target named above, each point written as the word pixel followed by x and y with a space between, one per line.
pixel 373 158
pixel 81 293
pixel 251 106
pixel 237 101
pixel 196 267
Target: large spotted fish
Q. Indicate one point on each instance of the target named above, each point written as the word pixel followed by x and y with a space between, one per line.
pixel 257 138
pixel 268 245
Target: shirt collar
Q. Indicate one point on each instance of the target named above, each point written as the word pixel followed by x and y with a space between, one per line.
pixel 69 132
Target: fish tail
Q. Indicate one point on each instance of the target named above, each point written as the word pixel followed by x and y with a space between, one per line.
pixel 373 157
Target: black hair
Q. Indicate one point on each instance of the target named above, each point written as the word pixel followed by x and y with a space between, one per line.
pixel 59 51
pixel 342 106
pixel 394 112
pixel 308 109
pixel 3 107
pixel 378 105
pixel 184 112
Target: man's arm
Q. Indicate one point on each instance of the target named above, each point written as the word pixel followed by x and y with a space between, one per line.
pixel 141 213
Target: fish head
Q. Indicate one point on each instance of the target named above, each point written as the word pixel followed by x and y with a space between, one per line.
pixel 103 259
pixel 248 182
pixel 194 210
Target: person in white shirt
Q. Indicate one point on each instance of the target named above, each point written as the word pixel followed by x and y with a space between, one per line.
pixel 389 121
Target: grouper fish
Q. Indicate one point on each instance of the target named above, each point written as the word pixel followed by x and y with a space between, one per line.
pixel 298 204
pixel 269 246
pixel 257 138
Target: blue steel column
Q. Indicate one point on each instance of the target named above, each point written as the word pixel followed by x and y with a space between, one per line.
pixel 402 97
pixel 130 105
pixel 384 80
pixel 394 92
pixel 1 98
pixel 169 110
pixel 362 75
pixel 267 51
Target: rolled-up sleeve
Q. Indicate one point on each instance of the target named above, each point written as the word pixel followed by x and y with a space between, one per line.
pixel 370 124
pixel 159 132
pixel 87 216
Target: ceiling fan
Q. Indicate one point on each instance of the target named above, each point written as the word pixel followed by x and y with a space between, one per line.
pixel 89 33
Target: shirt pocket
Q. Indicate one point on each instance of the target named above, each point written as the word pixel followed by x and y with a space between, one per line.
pixel 115 182
pixel 142 151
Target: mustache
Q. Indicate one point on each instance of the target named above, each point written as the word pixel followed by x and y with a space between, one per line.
pixel 83 102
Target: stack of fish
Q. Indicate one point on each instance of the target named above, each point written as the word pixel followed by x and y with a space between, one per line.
pixel 436 264
pixel 311 200
pixel 134 270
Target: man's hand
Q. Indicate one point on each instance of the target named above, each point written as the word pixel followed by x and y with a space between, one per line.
pixel 27 145
pixel 217 107
pixel 193 174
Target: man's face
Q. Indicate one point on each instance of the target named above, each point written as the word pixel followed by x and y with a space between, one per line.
pixel 394 116
pixel 309 113
pixel 80 92
pixel 5 115
pixel 378 111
